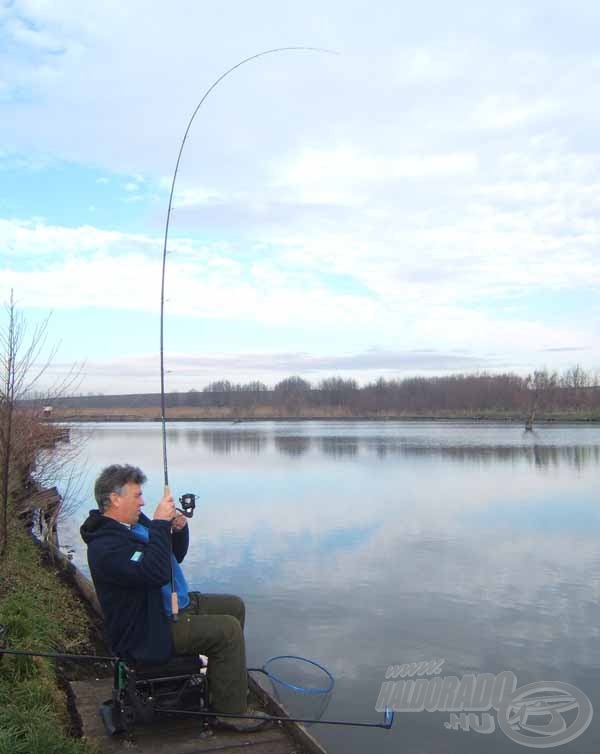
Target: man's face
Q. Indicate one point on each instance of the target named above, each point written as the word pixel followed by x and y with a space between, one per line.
pixel 128 504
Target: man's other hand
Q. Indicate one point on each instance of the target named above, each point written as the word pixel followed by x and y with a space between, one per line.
pixel 165 510
pixel 179 522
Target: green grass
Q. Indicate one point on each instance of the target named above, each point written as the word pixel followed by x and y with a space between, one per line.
pixel 43 614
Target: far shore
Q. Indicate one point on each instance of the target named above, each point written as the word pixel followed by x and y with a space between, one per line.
pixel 188 414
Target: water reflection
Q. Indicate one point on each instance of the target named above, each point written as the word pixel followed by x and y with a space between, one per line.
pixel 542 455
pixel 225 442
pixel 368 545
pixel 340 447
pixel 193 437
pixel 292 446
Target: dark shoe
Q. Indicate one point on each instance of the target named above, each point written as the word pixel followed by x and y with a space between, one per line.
pixel 259 721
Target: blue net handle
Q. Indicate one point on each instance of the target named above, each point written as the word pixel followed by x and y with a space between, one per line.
pixel 302 689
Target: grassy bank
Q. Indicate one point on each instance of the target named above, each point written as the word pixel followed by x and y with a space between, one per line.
pixel 42 613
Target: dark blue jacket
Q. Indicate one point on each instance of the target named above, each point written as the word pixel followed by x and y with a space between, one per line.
pixel 128 575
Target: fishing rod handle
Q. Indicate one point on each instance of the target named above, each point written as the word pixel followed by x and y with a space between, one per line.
pixel 174 598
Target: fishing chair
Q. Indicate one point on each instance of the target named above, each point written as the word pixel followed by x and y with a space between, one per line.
pixel 141 692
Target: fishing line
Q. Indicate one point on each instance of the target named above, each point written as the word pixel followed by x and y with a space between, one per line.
pixel 163 417
pixel 164 256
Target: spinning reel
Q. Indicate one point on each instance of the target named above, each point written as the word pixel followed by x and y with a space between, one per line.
pixel 188 504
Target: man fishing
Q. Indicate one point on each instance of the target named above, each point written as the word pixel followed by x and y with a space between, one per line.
pixel 133 562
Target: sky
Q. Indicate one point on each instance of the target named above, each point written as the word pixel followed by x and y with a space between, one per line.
pixel 424 201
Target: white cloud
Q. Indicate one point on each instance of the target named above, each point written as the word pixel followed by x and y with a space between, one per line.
pixel 424 186
pixel 38 39
pixel 550 163
pixel 192 197
pixel 547 192
pixel 22 239
pixel 339 175
pixel 500 112
pixel 455 268
pixel 82 272
pixel 426 66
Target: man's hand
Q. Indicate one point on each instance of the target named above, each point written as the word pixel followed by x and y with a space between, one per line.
pixel 179 522
pixel 165 510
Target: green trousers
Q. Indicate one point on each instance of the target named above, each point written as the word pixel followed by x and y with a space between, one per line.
pixel 213 625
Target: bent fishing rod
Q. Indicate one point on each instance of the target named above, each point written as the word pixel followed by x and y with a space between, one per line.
pixel 174 601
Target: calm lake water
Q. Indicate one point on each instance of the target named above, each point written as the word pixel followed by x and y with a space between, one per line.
pixel 369 544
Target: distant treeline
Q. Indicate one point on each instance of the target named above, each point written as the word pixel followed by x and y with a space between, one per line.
pixel 541 391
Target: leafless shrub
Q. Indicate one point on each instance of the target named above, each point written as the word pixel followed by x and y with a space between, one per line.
pixel 32 455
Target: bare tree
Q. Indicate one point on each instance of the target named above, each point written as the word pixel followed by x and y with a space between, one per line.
pixel 7 402
pixel 336 391
pixel 292 393
pixel 542 386
pixel 25 437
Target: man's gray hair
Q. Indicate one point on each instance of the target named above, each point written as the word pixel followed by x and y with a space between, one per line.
pixel 113 479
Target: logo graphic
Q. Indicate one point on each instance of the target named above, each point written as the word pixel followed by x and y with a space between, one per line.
pixel 536 716
pixel 539 715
